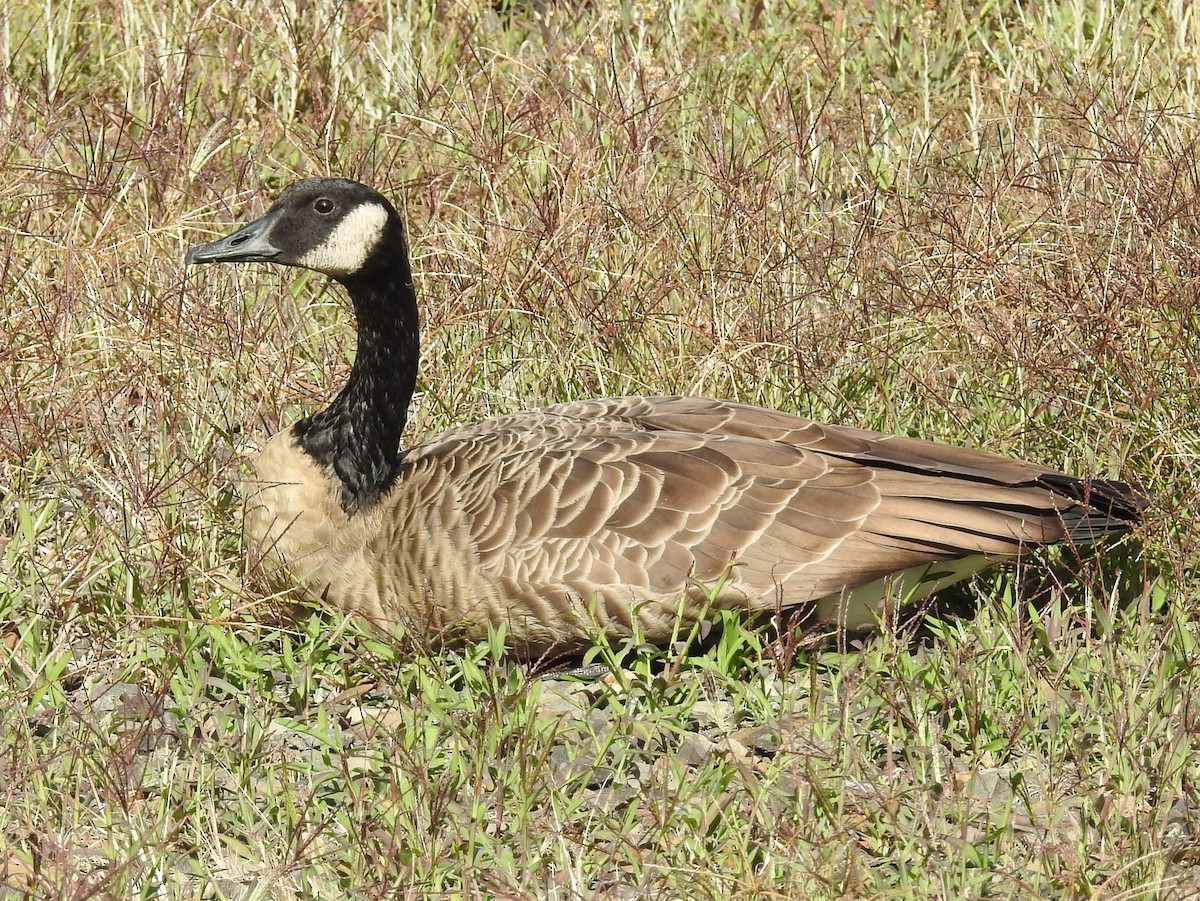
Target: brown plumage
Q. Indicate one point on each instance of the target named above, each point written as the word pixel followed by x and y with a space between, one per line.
pixel 597 515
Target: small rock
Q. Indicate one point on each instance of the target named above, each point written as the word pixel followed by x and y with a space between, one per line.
pixel 611 797
pixel 569 767
pixel 718 714
pixel 762 739
pixel 696 750
pixel 738 751
pixel 600 723
pixel 115 697
pixel 1181 821
pixel 557 701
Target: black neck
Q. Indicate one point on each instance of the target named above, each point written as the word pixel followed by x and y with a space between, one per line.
pixel 358 435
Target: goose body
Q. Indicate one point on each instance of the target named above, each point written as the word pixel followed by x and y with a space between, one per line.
pixel 610 514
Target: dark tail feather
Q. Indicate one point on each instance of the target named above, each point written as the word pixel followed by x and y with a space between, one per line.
pixel 1107 508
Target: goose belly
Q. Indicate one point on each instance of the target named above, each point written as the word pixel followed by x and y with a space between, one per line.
pixel 404 560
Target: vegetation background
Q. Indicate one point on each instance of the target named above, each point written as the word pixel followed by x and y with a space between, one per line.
pixel 974 223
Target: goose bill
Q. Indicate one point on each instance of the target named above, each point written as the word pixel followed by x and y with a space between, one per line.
pixel 249 244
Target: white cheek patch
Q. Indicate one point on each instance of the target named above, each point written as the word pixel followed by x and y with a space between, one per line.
pixel 350 243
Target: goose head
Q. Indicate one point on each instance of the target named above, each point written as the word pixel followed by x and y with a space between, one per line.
pixel 331 225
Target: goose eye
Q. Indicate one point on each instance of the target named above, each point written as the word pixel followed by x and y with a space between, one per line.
pixel 323 206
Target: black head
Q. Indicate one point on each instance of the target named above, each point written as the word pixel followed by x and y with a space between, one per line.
pixel 330 225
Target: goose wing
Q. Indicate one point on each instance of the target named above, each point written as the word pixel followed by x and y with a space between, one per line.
pixel 651 495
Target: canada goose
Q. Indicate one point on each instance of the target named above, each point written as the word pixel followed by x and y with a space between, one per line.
pixel 595 514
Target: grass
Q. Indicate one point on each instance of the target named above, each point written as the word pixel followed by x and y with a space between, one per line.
pixel 976 225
